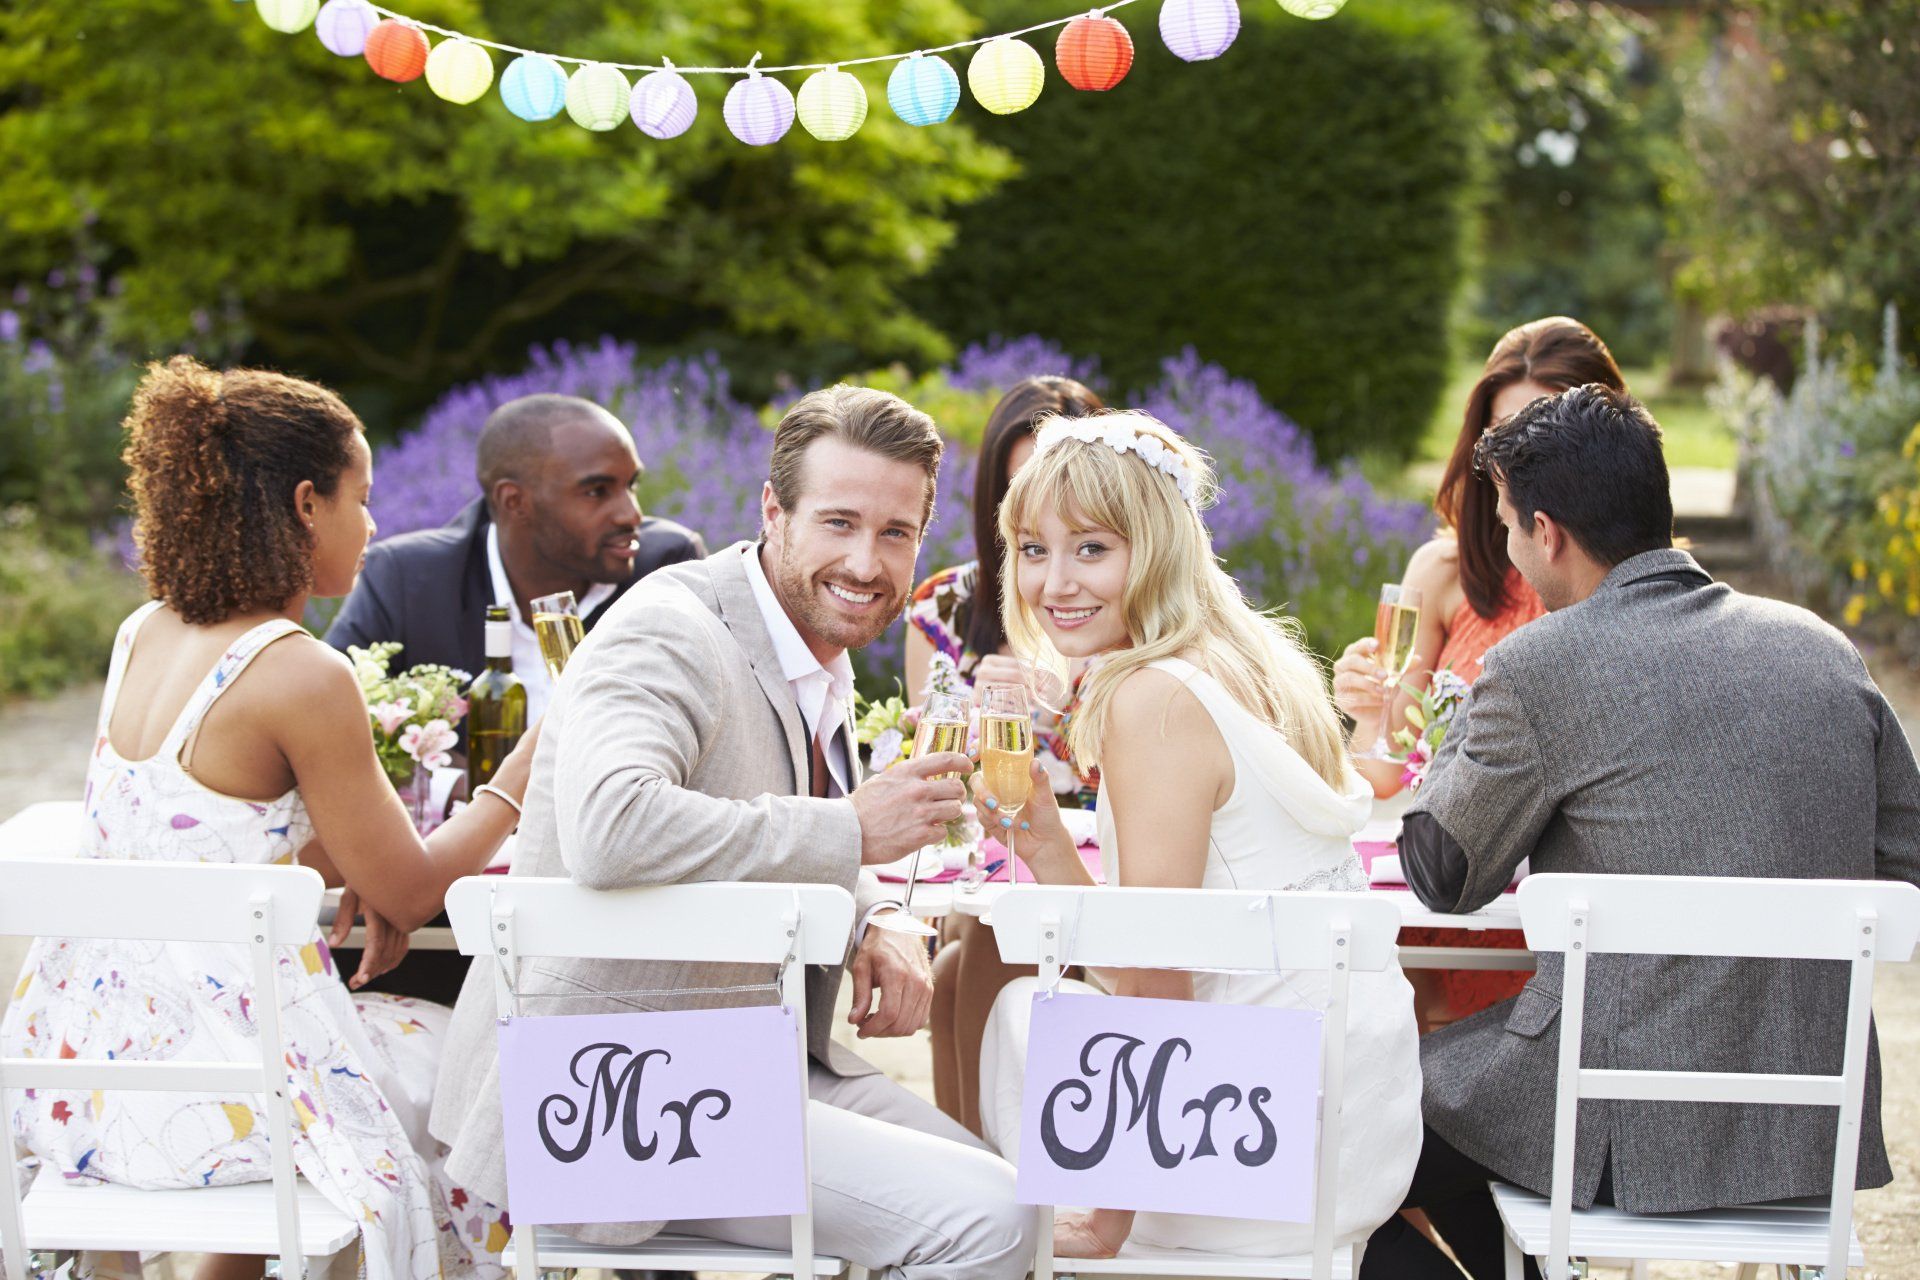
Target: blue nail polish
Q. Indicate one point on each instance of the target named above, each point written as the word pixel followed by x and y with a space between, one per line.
pixel 1026 826
pixel 992 803
pixel 1006 822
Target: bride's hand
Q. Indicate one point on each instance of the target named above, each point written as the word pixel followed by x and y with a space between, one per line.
pixel 1097 1233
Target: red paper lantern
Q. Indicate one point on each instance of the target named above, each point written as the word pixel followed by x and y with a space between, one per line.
pixel 397 51
pixel 1095 52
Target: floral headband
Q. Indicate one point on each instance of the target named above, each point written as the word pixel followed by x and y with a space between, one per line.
pixel 1112 432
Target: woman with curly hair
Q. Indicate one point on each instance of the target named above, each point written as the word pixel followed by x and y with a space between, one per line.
pixel 229 734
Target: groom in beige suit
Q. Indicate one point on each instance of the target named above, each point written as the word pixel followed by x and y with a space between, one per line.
pixel 703 732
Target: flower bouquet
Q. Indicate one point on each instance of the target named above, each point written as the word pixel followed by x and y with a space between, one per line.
pixel 1428 719
pixel 414 715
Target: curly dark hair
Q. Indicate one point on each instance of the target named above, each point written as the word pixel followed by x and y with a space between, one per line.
pixel 214 460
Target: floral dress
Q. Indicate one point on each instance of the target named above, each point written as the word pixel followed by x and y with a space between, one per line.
pixel 360 1068
pixel 939 611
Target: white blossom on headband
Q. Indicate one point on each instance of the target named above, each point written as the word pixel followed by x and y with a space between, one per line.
pixel 1112 432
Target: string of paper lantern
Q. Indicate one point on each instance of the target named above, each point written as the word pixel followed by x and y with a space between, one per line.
pixel 1093 53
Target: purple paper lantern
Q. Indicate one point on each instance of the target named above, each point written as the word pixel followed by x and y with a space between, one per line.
pixel 663 105
pixel 1196 30
pixel 759 110
pixel 343 25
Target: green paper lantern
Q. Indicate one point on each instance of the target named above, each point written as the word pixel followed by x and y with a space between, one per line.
pixel 833 105
pixel 288 16
pixel 1313 9
pixel 597 97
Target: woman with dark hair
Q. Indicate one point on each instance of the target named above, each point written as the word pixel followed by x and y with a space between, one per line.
pixel 955 615
pixel 1472 597
pixel 229 734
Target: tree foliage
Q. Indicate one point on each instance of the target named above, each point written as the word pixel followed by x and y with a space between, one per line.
pixel 369 231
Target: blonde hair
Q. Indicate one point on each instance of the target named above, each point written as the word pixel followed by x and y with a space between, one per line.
pixel 1177 598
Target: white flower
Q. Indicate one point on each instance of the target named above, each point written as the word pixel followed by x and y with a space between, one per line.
pixel 886 749
pixel 430 743
pixel 1153 449
pixel 390 715
pixel 1060 775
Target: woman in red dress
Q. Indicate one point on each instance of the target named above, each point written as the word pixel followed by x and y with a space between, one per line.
pixel 1472 597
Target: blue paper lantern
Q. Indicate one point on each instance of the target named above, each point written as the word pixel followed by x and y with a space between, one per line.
pixel 1197 30
pixel 663 105
pixel 534 87
pixel 343 26
pixel 923 90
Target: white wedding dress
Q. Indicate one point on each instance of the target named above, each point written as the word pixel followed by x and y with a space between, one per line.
pixel 1282 828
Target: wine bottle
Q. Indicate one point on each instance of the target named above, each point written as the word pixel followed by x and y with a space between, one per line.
pixel 496 704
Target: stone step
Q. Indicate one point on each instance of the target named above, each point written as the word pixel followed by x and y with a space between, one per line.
pixel 1719 555
pixel 1713 528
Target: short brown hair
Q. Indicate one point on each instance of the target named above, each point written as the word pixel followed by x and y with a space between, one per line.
pixel 877 421
pixel 214 459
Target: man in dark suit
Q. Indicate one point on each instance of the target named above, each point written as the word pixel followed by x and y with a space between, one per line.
pixel 1654 722
pixel 556 513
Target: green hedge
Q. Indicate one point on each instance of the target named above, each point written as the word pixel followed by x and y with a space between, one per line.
pixel 1296 211
pixel 61 601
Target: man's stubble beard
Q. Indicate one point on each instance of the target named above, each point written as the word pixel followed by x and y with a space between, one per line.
pixel 797 589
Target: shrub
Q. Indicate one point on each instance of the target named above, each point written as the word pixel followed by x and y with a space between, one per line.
pixel 61 601
pixel 1297 536
pixel 1294 211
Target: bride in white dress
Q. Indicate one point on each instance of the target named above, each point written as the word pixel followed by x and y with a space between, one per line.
pixel 1223 767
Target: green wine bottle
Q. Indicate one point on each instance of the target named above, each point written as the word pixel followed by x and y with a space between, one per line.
pixel 496 704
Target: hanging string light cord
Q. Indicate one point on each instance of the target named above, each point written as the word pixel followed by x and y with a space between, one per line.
pixel 751 67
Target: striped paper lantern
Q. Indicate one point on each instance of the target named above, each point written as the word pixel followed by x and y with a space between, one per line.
pixel 1006 75
pixel 597 96
pixel 397 51
pixel 288 16
pixel 459 71
pixel 343 26
pixel 534 87
pixel 1094 53
pixel 833 105
pixel 923 90
pixel 759 110
pixel 663 104
pixel 1314 9
pixel 1198 30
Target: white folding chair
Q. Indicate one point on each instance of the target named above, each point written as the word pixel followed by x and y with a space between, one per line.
pixel 509 918
pixel 1335 933
pixel 261 908
pixel 1858 921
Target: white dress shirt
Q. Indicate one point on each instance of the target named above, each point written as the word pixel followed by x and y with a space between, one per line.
pixel 527 662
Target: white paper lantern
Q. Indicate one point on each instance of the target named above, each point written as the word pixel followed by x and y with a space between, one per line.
pixel 1006 75
pixel 459 71
pixel 343 26
pixel 759 110
pixel 1197 30
pixel 597 96
pixel 663 104
pixel 287 16
pixel 833 105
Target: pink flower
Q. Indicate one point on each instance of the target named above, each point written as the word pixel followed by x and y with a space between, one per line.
pixel 390 716
pixel 457 711
pixel 430 743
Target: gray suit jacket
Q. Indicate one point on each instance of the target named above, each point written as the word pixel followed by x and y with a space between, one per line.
pixel 672 752
pixel 1668 728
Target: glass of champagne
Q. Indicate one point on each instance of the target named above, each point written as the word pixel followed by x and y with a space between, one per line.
pixel 1006 755
pixel 557 625
pixel 943 727
pixel 1395 623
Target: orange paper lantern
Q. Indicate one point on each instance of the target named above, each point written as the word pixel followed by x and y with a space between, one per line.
pixel 1095 52
pixel 397 51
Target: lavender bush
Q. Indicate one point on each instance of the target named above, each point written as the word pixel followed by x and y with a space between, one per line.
pixel 1298 536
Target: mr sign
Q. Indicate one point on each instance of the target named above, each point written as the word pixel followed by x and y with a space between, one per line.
pixel 1177 1106
pixel 624 1117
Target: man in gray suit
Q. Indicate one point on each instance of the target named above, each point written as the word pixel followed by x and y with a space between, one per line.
pixel 1653 723
pixel 703 732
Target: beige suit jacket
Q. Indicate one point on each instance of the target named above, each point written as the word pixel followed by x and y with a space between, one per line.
pixel 672 752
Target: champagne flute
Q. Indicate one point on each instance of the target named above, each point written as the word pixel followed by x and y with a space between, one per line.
pixel 943 727
pixel 1395 623
pixel 557 625
pixel 1006 755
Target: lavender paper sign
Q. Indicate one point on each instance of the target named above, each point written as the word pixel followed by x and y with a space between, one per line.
pixel 1176 1106
pixel 628 1117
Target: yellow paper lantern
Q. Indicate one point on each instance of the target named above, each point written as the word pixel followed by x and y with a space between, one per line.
pixel 597 97
pixel 459 71
pixel 288 16
pixel 1006 75
pixel 833 105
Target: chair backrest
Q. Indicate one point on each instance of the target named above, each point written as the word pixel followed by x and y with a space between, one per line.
pixel 1278 932
pixel 507 918
pixel 261 908
pixel 1858 921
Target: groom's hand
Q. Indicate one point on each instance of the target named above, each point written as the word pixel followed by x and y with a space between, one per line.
pixel 908 806
pixel 895 965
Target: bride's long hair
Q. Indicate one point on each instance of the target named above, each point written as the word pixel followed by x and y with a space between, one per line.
pixel 1177 598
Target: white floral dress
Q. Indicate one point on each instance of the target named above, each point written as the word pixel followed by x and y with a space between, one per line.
pixel 360 1068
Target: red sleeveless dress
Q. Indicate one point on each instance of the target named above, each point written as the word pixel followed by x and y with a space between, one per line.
pixel 1455 993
